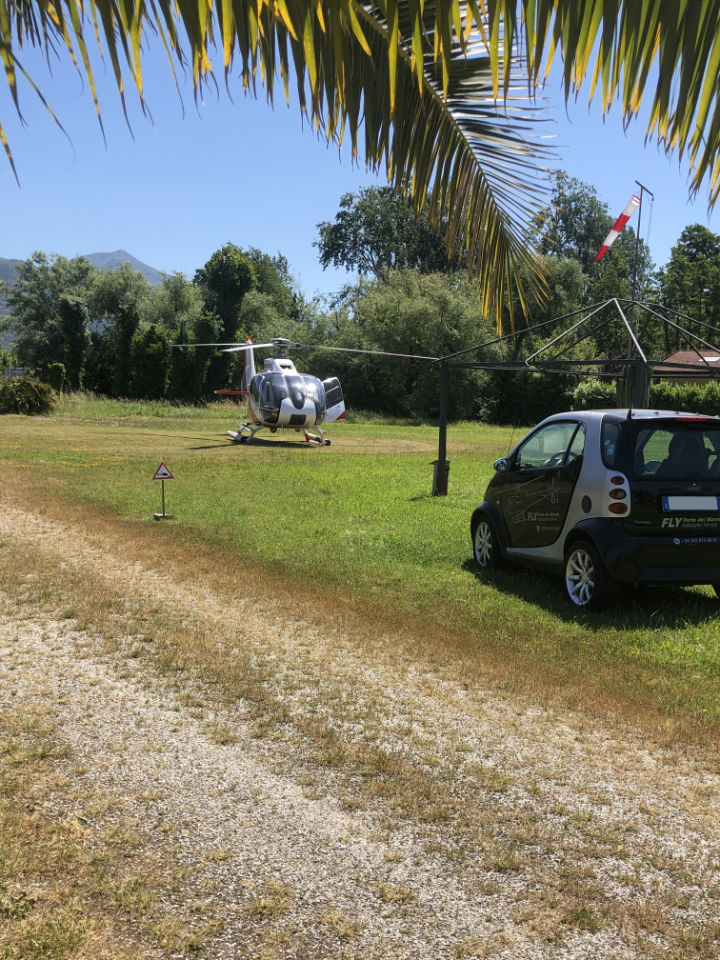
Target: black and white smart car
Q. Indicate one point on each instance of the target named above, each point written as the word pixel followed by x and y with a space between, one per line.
pixel 605 498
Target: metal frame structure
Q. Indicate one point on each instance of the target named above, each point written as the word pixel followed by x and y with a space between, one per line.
pixel 639 368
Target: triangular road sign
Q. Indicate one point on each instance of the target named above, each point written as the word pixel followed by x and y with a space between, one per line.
pixel 162 473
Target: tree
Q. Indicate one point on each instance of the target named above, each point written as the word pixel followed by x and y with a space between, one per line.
pixel 73 313
pixel 47 301
pixel 224 280
pixel 407 312
pixel 274 281
pixel 175 303
pixel 118 301
pixel 150 364
pixel 377 231
pixel 690 282
pixel 571 230
pixel 189 368
pixel 575 222
pixel 574 226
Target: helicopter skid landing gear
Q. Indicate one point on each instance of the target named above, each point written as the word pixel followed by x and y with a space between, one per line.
pixel 240 436
pixel 320 441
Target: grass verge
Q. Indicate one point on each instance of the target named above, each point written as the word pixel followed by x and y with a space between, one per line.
pixel 353 529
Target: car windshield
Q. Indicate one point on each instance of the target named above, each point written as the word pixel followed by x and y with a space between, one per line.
pixel 672 449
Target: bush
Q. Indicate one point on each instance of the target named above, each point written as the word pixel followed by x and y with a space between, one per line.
pixel 593 394
pixel 23 395
pixel 57 375
pixel 689 397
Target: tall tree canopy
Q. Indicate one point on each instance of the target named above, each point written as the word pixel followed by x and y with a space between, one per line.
pixel 432 92
pixel 690 282
pixel 376 231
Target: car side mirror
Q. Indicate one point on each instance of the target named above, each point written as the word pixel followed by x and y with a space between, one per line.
pixel 502 465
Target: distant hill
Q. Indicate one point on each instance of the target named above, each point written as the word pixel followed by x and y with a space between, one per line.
pixel 103 261
pixel 109 261
pixel 7 269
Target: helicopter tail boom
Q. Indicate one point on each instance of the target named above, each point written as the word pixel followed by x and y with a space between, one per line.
pixel 249 371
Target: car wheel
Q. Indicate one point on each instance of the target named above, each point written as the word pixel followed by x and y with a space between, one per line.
pixel 486 548
pixel 587 583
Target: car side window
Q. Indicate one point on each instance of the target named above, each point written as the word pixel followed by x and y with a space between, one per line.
pixel 546 447
pixel 610 442
pixel 577 446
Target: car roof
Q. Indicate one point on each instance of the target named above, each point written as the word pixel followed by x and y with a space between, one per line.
pixel 590 416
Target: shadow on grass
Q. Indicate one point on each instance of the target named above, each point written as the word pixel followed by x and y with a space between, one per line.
pixel 222 442
pixel 642 608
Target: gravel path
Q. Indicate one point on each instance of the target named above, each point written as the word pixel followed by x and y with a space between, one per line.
pixel 390 810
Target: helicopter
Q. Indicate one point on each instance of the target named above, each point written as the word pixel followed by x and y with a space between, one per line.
pixel 281 398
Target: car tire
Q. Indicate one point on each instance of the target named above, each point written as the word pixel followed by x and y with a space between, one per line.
pixel 486 547
pixel 587 583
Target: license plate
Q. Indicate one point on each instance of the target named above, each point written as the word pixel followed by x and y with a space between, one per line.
pixel 691 503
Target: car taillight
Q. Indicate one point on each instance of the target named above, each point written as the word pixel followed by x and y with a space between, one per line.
pixel 617 480
pixel 618 494
pixel 618 508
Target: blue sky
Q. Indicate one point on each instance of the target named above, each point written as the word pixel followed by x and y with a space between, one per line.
pixel 177 188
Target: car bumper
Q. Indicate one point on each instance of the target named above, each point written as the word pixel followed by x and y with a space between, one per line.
pixel 656 559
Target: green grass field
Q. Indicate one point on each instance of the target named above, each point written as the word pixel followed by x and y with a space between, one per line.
pixel 356 522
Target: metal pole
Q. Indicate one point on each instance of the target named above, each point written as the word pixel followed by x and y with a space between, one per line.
pixel 637 381
pixel 440 476
pixel 643 190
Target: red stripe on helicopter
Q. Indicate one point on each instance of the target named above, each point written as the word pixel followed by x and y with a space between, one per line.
pixel 617 226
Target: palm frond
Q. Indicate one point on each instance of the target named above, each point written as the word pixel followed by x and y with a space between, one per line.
pixel 409 81
pixel 619 46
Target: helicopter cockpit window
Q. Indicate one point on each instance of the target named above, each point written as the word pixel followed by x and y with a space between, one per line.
pixel 311 388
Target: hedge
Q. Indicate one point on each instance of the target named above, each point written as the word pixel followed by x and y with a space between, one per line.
pixel 689 397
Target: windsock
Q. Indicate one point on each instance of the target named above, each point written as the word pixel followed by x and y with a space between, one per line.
pixel 617 226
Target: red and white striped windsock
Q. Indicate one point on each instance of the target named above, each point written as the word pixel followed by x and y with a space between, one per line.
pixel 617 226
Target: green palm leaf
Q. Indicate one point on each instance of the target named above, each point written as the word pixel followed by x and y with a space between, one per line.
pixel 619 45
pixel 451 143
pixel 415 95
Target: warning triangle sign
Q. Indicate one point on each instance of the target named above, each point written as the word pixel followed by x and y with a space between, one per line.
pixel 162 473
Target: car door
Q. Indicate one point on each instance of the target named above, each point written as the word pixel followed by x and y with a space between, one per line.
pixel 537 489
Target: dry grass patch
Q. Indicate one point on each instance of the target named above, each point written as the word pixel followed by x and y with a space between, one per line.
pixel 467 813
pixel 56 898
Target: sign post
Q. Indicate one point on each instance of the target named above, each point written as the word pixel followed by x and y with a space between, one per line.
pixel 162 474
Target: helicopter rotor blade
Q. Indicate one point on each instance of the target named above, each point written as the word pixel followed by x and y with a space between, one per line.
pixel 281 344
pixel 373 353
pixel 245 346
pixel 224 347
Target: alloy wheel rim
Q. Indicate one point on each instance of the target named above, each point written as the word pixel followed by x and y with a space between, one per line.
pixel 483 544
pixel 580 577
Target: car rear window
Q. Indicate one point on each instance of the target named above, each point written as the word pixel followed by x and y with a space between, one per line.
pixel 671 449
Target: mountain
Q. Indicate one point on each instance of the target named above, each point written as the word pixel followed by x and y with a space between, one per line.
pixel 109 261
pixel 7 269
pixel 103 261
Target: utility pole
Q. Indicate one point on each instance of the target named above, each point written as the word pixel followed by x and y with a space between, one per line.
pixel 442 467
pixel 637 377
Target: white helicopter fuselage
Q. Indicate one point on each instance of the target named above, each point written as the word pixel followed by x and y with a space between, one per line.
pixel 281 398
